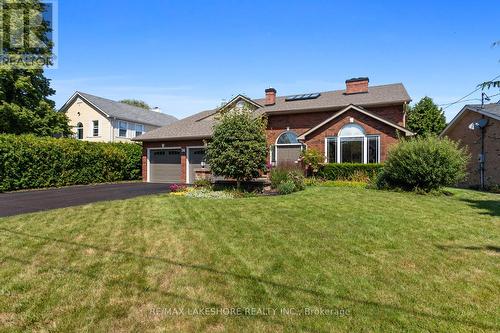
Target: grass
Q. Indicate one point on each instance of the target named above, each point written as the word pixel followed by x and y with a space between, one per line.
pixel 376 260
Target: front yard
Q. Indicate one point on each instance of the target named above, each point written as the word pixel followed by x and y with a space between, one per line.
pixel 362 260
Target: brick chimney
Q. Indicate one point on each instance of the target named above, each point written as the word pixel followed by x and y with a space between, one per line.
pixel 270 96
pixel 356 85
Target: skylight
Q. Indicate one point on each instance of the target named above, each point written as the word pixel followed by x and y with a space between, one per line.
pixel 302 97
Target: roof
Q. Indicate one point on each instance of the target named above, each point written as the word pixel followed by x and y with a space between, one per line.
pixel 123 111
pixel 490 110
pixel 359 109
pixel 376 95
pixel 200 125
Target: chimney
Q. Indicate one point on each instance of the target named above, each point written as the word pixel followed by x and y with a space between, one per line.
pixel 270 96
pixel 356 85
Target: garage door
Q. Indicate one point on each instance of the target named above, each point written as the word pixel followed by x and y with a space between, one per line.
pixel 165 165
pixel 286 155
pixel 196 156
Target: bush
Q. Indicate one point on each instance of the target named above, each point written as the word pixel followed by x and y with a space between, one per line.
pixel 312 160
pixel 27 161
pixel 350 171
pixel 278 176
pixel 286 187
pixel 202 183
pixel 282 175
pixel 177 188
pixel 424 164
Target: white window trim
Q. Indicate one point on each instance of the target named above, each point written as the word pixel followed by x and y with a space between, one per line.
pixel 98 129
pixel 148 159
pixel 365 147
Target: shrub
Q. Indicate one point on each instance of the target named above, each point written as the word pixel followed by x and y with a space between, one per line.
pixel 297 179
pixel 424 164
pixel 350 171
pixel 278 176
pixel 27 161
pixel 204 183
pixel 177 188
pixel 284 174
pixel 312 160
pixel 286 187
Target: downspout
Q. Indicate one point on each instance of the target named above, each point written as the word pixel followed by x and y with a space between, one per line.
pixel 481 159
pixel 405 110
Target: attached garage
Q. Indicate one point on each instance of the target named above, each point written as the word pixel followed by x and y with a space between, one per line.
pixel 196 160
pixel 165 165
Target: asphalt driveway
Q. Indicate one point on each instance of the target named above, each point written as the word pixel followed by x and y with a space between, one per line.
pixel 33 201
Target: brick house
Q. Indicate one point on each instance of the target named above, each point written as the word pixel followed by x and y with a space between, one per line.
pixel 357 124
pixel 475 126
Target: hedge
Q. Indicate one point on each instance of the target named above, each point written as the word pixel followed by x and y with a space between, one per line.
pixel 349 171
pixel 27 161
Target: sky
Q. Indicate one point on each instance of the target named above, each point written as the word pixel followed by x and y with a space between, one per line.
pixel 189 56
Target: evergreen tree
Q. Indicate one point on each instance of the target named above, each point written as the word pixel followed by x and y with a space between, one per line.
pixel 25 106
pixel 426 118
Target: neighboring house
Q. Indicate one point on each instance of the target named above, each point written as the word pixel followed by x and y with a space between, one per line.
pixel 99 119
pixel 357 125
pixel 477 126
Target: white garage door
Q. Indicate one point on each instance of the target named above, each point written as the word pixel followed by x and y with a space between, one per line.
pixel 165 165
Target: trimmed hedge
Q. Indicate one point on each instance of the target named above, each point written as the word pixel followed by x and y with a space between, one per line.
pixel 349 171
pixel 27 161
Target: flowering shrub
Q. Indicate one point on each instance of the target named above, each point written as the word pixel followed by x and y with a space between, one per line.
pixel 177 188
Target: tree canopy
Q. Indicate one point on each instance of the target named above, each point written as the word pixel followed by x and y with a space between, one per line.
pixel 238 147
pixel 25 106
pixel 137 103
pixel 426 118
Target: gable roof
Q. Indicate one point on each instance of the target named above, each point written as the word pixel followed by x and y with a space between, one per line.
pixel 490 110
pixel 359 109
pixel 121 110
pixel 200 125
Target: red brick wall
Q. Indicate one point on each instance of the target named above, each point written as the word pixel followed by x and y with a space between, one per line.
pixel 472 139
pixel 300 123
pixel 158 144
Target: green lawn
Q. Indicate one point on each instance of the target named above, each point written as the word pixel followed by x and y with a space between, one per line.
pixel 390 261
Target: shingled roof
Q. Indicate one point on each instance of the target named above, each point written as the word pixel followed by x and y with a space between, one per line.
pixel 490 110
pixel 200 125
pixel 123 111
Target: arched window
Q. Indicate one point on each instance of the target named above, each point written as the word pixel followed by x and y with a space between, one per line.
pixel 352 130
pixel 352 145
pixel 288 138
pixel 79 131
pixel 287 149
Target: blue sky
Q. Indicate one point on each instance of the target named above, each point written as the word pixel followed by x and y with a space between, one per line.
pixel 187 56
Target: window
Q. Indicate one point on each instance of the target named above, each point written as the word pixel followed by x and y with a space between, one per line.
pixel 288 138
pixel 122 129
pixel 139 129
pixel 373 149
pixel 331 150
pixel 353 146
pixel 95 127
pixel 79 131
pixel 351 150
